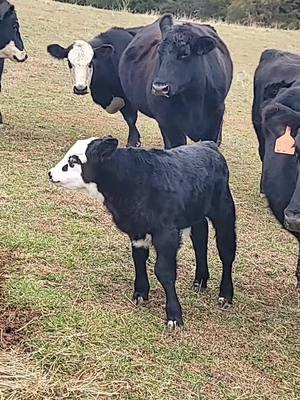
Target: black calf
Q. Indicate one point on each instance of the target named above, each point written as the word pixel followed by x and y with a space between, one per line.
pixel 154 195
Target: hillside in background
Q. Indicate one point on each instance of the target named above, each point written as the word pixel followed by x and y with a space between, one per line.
pixel 277 13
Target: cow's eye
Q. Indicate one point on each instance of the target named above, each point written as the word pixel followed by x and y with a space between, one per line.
pixel 90 64
pixel 74 160
pixel 65 168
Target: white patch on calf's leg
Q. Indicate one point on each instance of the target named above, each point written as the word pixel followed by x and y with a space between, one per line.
pixel 116 105
pixel 146 242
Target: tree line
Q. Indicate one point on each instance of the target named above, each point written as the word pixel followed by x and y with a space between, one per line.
pixel 275 13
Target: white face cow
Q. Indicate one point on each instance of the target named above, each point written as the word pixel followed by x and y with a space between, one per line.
pixel 79 56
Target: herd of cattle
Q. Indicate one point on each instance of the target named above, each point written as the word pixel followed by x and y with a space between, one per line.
pixel 180 75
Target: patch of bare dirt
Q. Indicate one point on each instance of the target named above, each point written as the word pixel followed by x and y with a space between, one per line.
pixel 14 323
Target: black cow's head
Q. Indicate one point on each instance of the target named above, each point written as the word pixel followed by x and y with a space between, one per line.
pixel 180 49
pixel 11 44
pixel 81 56
pixel 281 113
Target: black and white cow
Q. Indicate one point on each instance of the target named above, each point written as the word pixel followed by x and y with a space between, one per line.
pixel 94 65
pixel 11 44
pixel 276 106
pixel 153 195
pixel 179 74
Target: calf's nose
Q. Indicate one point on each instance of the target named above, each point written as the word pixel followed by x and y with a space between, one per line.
pixel 160 89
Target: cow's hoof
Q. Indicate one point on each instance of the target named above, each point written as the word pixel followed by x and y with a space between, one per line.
pixel 173 325
pixel 200 286
pixel 224 303
pixel 136 144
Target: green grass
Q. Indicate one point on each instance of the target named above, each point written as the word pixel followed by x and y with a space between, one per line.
pixel 68 328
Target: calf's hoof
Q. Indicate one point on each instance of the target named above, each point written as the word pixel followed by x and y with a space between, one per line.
pixel 292 221
pixel 224 303
pixel 200 286
pixel 139 298
pixel 173 325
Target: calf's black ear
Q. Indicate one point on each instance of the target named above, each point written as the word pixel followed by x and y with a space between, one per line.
pixel 57 51
pixel 105 50
pixel 101 149
pixel 165 24
pixel 203 45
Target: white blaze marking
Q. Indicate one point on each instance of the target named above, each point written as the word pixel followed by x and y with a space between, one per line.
pixel 116 105
pixel 80 57
pixel 10 51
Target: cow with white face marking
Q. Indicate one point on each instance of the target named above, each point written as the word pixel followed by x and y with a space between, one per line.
pixel 11 44
pixel 95 65
pixel 153 196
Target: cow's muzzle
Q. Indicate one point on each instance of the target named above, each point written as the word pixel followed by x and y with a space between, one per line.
pixel 292 221
pixel 20 60
pixel 80 90
pixel 161 89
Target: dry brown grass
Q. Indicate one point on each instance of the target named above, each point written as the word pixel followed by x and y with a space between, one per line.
pixel 65 262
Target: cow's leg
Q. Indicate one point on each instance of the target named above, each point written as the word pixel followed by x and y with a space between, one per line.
pixel 166 245
pixel 220 135
pixel 199 235
pixel 298 269
pixel 224 223
pixel 141 284
pixel 130 116
pixel 1 71
pixel 172 137
pixel 292 211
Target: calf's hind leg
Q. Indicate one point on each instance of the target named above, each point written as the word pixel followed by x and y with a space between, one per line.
pixel 166 245
pixel 199 235
pixel 224 223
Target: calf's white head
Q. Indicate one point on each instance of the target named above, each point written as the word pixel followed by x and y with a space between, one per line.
pixel 79 168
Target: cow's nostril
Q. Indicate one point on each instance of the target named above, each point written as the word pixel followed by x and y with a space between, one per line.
pixel 160 89
pixel 50 175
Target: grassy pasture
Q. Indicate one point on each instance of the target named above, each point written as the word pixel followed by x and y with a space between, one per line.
pixel 68 329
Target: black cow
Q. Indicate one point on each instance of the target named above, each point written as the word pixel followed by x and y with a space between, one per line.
pixel 276 106
pixel 180 75
pixel 153 195
pixel 11 44
pixel 93 64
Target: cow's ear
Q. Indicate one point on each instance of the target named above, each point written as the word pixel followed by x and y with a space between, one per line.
pixel 101 149
pixel 9 12
pixel 57 51
pixel 165 24
pixel 203 45
pixel 105 51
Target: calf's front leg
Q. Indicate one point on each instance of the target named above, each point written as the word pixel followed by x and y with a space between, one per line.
pixel 166 245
